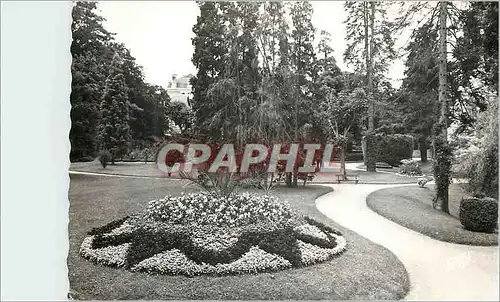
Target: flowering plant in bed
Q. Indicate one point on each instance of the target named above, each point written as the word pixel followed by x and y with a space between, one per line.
pixel 204 233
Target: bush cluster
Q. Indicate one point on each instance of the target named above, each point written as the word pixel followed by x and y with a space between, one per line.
pixel 204 208
pixel 479 214
pixel 410 167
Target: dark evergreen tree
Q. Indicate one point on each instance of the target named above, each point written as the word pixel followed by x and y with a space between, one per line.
pixel 208 58
pixel 90 41
pixel 113 128
pixel 419 105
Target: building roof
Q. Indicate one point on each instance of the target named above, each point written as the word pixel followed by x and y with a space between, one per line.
pixel 181 82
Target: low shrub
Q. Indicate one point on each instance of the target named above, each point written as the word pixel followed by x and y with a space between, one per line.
pixel 410 167
pixel 104 158
pixel 479 214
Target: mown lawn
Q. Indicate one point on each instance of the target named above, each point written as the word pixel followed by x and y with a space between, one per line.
pixel 364 271
pixel 150 170
pixel 411 206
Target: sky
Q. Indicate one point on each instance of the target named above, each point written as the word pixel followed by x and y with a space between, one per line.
pixel 158 34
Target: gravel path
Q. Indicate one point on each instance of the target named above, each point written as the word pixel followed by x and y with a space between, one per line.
pixel 437 270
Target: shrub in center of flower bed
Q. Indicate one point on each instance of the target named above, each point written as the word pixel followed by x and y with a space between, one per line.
pixel 200 233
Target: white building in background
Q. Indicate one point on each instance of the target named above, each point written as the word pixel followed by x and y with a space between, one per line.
pixel 179 88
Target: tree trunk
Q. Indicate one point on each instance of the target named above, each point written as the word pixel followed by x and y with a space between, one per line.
pixel 371 152
pixel 442 193
pixel 369 66
pixel 342 161
pixel 288 179
pixel 369 20
pixel 422 146
pixel 433 148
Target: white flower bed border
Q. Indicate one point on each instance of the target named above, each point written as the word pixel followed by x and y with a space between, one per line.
pixel 111 255
pixel 311 230
pixel 312 254
pixel 174 262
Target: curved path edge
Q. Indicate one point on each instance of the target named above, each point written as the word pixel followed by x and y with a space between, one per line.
pixel 437 270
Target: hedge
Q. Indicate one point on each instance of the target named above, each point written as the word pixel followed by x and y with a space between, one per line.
pixel 352 157
pixel 390 149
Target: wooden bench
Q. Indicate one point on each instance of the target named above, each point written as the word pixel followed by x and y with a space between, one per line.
pixel 305 178
pixel 340 177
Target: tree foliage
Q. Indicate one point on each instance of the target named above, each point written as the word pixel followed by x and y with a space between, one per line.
pixel 93 49
pixel 182 116
pixel 113 128
pixel 383 52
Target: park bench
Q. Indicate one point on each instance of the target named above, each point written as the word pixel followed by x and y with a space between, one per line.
pixel 306 178
pixel 340 177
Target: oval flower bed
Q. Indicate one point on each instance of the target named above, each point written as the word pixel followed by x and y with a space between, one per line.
pixel 199 233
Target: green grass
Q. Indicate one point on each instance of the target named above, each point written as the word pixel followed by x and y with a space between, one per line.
pixel 120 168
pixel 364 271
pixel 411 206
